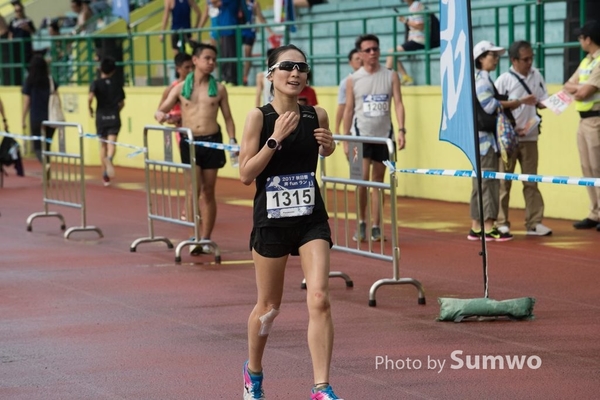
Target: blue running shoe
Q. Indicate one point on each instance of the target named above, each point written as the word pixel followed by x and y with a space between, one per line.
pixel 253 385
pixel 324 394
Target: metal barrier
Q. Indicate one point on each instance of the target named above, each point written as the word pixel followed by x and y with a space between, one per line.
pixel 341 218
pixel 165 184
pixel 63 178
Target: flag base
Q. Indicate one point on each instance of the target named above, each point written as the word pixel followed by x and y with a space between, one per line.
pixel 483 309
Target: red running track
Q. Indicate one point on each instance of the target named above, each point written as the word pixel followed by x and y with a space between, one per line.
pixel 87 319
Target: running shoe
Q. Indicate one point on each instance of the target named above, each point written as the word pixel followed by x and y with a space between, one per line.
pixel 474 235
pixel 540 230
pixel 496 236
pixel 504 229
pixel 105 180
pixel 361 234
pixel 376 234
pixel 407 80
pixel 324 394
pixel 253 386
pixel 199 249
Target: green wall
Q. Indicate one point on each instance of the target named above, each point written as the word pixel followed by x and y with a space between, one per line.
pixel 558 147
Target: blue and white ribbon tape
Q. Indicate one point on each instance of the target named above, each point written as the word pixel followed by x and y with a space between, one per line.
pixel 138 150
pixel 24 137
pixel 218 146
pixel 559 180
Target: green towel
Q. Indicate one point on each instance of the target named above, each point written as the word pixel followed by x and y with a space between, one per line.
pixel 188 86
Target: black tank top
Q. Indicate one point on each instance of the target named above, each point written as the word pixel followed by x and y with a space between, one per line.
pixel 288 184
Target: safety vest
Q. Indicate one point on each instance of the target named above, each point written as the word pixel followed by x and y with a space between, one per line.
pixel 585 69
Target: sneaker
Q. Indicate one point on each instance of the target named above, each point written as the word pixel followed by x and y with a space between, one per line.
pixel 253 386
pixel 540 230
pixel 585 224
pixel 504 229
pixel 496 236
pixel 474 235
pixel 199 249
pixel 110 168
pixel 106 180
pixel 406 80
pixel 324 394
pixel 361 234
pixel 376 234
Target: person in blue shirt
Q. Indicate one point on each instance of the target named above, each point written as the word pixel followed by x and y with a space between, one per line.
pixel 252 15
pixel 181 11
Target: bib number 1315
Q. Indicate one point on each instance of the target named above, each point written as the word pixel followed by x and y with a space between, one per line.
pixel 290 195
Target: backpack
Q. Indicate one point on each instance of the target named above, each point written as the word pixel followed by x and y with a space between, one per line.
pixel 434 31
pixel 11 155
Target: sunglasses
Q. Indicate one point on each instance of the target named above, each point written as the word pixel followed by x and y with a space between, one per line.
pixel 371 50
pixel 290 65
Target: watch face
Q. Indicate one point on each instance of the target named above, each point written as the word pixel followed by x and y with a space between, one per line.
pixel 272 143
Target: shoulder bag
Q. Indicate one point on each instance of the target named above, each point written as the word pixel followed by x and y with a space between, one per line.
pixel 55 112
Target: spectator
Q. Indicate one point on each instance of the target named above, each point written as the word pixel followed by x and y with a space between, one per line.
pixel 307 3
pixel 181 15
pixel 110 100
pixel 584 85
pixel 355 63
pixel 252 14
pixel 201 98
pixel 21 27
pixel 212 11
pixel 4 51
pixel 229 11
pixel 264 88
pixel 520 81
pixel 100 6
pixel 486 56
pixel 308 96
pixel 415 40
pixel 84 15
pixel 369 94
pixel 36 96
pixel 4 121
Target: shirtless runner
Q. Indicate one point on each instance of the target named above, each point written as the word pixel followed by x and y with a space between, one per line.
pixel 201 96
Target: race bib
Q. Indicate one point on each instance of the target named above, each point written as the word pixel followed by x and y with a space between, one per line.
pixel 558 102
pixel 376 105
pixel 290 195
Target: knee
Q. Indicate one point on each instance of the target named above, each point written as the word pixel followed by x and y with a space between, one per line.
pixel 318 301
pixel 266 316
pixel 207 193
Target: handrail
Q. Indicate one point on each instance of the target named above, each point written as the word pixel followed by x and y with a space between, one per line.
pixel 313 32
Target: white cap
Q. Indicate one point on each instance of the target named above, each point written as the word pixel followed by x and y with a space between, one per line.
pixel 484 46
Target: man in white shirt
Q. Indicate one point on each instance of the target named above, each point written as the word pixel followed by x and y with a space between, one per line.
pixel 355 62
pixel 521 80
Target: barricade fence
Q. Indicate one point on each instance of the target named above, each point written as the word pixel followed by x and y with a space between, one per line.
pixel 63 176
pixel 346 218
pixel 172 190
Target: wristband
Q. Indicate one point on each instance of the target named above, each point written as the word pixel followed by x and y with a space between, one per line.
pixel 403 130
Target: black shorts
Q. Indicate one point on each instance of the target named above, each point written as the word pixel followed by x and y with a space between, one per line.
pixel 248 40
pixel 378 152
pixel 104 131
pixel 206 158
pixel 175 37
pixel 275 242
pixel 412 46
